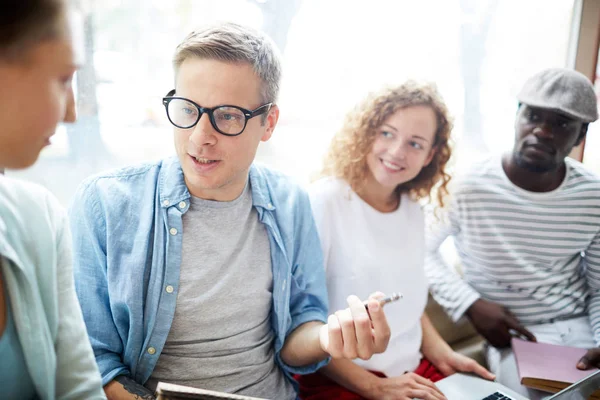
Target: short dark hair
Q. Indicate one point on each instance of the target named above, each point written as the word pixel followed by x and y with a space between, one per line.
pixel 25 22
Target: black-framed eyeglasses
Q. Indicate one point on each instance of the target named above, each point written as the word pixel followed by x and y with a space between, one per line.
pixel 226 119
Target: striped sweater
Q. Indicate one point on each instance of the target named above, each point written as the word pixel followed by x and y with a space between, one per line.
pixel 538 254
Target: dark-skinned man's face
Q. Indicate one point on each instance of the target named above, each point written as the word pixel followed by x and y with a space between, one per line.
pixel 543 138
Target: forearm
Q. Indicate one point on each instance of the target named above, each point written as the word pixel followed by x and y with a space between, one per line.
pixel 124 388
pixel 451 292
pixel 302 347
pixel 433 346
pixel 445 284
pixel 592 255
pixel 349 375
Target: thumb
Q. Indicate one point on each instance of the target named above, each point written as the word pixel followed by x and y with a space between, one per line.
pixel 583 363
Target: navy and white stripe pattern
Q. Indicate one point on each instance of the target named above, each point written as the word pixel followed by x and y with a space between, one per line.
pixel 536 253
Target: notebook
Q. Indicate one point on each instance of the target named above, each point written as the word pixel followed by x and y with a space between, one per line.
pixel 548 367
pixel 168 391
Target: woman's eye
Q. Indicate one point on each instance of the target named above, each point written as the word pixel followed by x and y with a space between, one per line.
pixel 386 134
pixel 416 145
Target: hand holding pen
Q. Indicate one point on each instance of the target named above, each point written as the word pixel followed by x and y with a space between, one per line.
pixel 358 331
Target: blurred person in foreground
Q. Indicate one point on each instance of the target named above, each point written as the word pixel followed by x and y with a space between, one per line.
pixel 44 349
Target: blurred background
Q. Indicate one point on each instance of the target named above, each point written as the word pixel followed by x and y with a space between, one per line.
pixel 479 52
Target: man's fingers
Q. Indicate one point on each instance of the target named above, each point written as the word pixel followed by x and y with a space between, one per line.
pixel 381 329
pixel 348 333
pixel 377 295
pixel 362 327
pixel 516 326
pixel 590 359
pixel 583 363
pixel 336 344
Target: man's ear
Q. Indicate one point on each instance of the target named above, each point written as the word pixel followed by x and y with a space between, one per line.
pixel 582 134
pixel 270 122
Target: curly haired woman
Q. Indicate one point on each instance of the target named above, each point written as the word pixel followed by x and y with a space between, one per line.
pixel 390 154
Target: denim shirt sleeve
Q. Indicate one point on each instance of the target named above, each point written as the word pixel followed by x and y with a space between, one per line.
pixel 308 290
pixel 90 270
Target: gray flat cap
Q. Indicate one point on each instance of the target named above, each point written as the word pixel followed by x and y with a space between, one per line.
pixel 563 90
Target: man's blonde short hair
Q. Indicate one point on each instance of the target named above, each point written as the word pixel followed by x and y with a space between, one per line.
pixel 230 42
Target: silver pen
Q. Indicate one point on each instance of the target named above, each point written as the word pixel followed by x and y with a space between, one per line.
pixel 393 297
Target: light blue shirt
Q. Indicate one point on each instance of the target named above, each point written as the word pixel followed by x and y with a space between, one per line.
pixel 15 380
pixel 127 228
pixel 35 245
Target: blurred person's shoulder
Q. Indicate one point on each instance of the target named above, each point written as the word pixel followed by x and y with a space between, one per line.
pixel 26 195
pixel 27 206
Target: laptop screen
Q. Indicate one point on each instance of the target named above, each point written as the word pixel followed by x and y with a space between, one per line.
pixel 580 390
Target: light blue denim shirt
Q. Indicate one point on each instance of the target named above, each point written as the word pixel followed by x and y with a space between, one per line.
pixel 127 228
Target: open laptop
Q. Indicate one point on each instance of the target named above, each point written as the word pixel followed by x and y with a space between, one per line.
pixel 469 387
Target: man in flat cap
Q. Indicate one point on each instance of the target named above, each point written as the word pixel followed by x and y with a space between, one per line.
pixel 527 229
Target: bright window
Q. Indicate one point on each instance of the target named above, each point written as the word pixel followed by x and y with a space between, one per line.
pixel 478 51
pixel 591 155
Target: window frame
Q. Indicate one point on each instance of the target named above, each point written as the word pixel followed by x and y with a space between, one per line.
pixel 585 45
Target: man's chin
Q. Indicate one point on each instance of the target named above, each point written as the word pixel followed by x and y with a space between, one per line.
pixel 532 166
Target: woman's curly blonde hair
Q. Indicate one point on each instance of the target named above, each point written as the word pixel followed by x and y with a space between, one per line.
pixel 347 155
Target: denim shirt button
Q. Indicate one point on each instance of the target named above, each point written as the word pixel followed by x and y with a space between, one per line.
pixel 166 203
pixel 151 350
pixel 173 231
pixel 169 289
pixel 182 204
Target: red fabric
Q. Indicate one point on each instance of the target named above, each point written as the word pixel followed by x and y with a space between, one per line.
pixel 318 387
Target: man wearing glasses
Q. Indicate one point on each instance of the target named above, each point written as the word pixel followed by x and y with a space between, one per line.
pixel 206 270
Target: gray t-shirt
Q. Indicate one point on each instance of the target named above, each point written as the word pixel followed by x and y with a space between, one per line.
pixel 221 337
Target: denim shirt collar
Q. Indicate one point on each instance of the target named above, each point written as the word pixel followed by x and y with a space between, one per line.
pixel 172 187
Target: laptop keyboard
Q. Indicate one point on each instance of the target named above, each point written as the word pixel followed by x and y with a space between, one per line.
pixel 497 396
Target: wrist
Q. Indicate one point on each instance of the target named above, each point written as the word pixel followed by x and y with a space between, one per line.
pixel 439 354
pixel 472 308
pixel 370 388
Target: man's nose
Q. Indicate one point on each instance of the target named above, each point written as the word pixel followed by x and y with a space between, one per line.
pixel 203 133
pixel 543 130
